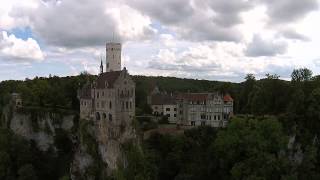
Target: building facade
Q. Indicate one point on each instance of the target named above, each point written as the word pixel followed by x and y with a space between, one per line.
pixel 193 109
pixel 109 102
pixel 212 109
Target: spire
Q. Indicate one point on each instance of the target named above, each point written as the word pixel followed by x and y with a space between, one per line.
pixel 101 66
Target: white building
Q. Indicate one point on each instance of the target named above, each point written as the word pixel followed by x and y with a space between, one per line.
pixel 213 109
pixel 193 109
pixel 164 105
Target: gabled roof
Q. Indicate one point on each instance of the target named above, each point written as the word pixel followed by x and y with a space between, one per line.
pixel 193 96
pixel 159 99
pixel 107 77
pixel 227 98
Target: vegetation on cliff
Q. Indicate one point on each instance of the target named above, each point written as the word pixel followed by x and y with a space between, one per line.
pixel 274 136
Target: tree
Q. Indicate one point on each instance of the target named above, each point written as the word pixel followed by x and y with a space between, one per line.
pixel 250 149
pixel 300 75
pixel 246 93
pixel 27 172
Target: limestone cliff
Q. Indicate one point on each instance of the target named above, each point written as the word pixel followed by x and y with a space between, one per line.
pixel 100 151
pixel 39 125
pixel 97 146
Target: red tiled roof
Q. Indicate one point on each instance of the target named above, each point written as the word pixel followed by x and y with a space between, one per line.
pixel 109 77
pixel 193 96
pixel 227 98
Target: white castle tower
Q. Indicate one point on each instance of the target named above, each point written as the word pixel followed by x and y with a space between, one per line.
pixel 113 58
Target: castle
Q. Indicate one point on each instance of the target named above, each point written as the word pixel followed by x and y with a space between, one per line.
pixel 112 96
pixel 109 102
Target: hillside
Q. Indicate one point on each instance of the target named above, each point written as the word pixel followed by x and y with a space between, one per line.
pixel 274 135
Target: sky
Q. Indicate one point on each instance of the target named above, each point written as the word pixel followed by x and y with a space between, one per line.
pixel 200 39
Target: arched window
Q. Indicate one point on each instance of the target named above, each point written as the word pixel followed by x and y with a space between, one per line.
pixel 104 116
pixel 98 116
pixel 110 117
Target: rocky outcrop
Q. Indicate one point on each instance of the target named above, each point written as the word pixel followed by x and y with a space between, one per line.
pixel 39 126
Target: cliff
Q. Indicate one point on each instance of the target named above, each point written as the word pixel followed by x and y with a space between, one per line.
pixel 97 149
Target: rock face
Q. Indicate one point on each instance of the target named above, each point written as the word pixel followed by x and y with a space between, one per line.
pixel 38 126
pixel 101 143
pixel 110 140
pixel 97 145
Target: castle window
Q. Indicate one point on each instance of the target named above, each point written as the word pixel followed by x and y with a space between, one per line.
pixel 127 105
pixel 97 116
pixel 97 94
pixel 104 116
pixel 175 115
pixel 110 105
pixel 122 105
pixel 167 109
pixel 97 104
pixel 110 117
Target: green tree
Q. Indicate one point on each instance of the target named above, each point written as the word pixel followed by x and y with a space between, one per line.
pixel 27 172
pixel 251 148
pixel 300 75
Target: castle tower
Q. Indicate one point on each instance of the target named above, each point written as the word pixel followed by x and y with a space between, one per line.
pixel 113 58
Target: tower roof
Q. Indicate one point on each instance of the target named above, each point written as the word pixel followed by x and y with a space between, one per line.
pixel 107 77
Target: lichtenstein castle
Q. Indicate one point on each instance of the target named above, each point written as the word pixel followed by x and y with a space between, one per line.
pixel 110 103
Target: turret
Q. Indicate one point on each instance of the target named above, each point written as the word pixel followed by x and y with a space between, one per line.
pixel 101 67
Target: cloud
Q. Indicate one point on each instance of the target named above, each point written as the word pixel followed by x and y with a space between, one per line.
pixel 261 47
pixel 292 34
pixel 228 12
pixel 223 61
pixel 287 11
pixel 190 20
pixel 13 48
pixel 80 23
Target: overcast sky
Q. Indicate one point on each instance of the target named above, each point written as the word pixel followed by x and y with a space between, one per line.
pixel 203 39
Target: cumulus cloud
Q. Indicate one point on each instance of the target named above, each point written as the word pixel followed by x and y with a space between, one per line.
pixel 13 48
pixel 286 11
pixel 261 47
pixel 292 34
pixel 78 23
pixel 213 61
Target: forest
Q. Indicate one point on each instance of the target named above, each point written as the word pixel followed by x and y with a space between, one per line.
pixel 270 112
